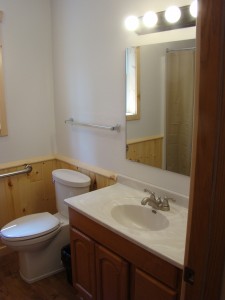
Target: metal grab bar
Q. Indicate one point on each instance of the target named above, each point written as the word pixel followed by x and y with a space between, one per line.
pixel 27 169
pixel 113 128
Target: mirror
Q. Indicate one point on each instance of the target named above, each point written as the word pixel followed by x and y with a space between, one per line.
pixel 161 84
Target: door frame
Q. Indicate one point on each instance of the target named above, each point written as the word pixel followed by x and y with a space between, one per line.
pixel 205 243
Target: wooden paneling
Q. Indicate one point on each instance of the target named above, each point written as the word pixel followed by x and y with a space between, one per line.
pixel 147 151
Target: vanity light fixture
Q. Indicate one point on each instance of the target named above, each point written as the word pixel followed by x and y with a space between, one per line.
pixel 172 14
pixel 150 19
pixel 173 18
pixel 131 23
pixel 194 9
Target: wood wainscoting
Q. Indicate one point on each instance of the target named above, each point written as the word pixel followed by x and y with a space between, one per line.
pixel 25 194
pixel 147 150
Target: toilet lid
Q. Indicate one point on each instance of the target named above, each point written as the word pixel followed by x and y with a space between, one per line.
pixel 30 226
pixel 71 178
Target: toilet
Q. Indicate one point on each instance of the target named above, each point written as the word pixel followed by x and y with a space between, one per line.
pixel 39 237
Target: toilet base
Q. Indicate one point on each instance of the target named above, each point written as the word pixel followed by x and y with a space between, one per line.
pixel 36 265
pixel 33 279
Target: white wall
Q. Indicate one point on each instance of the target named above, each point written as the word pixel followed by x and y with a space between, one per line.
pixel 89 80
pixel 27 64
pixel 89 43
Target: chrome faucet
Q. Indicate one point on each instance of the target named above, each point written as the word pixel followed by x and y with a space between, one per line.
pixel 150 200
pixel 157 203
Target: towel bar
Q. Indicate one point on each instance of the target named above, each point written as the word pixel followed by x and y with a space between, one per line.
pixel 112 128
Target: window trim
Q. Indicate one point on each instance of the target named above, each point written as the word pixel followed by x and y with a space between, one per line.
pixel 136 116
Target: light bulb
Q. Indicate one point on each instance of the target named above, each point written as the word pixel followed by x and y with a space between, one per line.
pixel 194 9
pixel 150 19
pixel 172 14
pixel 131 23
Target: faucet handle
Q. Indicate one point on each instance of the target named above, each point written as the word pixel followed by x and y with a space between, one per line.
pixel 150 192
pixel 165 202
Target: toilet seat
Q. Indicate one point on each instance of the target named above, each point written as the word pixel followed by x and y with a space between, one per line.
pixel 30 227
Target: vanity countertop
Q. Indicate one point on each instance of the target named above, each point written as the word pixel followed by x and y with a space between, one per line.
pixel 167 242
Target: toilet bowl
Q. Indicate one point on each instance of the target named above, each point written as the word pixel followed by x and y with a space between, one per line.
pixel 30 232
pixel 39 237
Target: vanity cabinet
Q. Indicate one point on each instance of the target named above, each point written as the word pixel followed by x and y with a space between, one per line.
pixel 97 272
pixel 106 266
pixel 147 288
pixel 83 264
pixel 112 273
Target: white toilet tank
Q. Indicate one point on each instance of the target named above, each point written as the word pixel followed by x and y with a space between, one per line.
pixel 69 183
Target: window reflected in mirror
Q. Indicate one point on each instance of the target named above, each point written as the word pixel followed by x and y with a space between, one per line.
pixel 162 136
pixel 132 83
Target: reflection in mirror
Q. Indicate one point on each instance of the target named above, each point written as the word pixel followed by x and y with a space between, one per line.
pixel 133 83
pixel 162 137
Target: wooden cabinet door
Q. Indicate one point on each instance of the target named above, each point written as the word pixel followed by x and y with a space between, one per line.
pixel 148 288
pixel 112 275
pixel 83 264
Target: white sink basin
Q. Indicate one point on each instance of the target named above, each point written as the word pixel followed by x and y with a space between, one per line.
pixel 139 217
